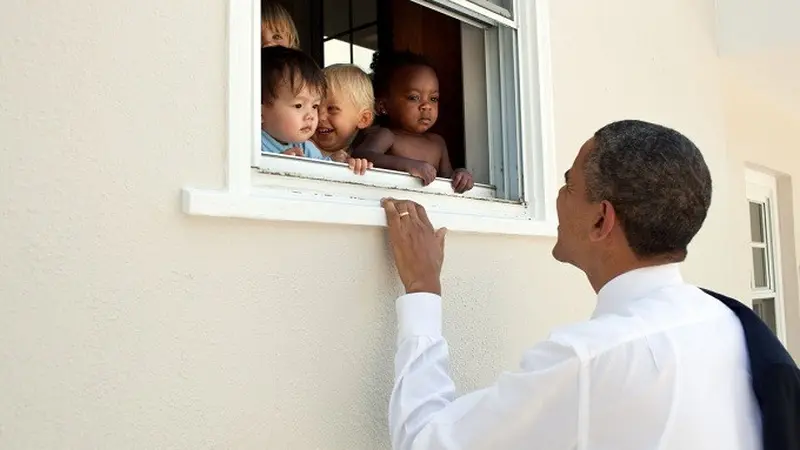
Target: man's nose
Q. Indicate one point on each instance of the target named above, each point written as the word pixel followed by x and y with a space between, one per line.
pixel 425 105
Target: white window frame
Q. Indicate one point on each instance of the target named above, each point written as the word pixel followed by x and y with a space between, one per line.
pixel 291 189
pixel 761 188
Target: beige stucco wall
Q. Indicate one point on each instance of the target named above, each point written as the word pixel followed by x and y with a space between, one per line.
pixel 763 136
pixel 126 324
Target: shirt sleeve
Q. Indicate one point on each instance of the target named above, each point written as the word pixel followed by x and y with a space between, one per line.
pixel 536 407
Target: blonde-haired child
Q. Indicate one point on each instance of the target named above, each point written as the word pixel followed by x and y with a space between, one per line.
pixel 277 26
pixel 346 109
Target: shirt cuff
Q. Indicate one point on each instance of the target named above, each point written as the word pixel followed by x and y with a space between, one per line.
pixel 419 314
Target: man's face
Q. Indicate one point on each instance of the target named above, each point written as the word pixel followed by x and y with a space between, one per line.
pixel 291 118
pixel 576 215
pixel 413 101
pixel 339 121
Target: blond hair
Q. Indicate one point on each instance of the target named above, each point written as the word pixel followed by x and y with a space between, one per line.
pixel 350 80
pixel 275 16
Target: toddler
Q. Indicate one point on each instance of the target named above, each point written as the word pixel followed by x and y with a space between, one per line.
pixel 277 26
pixel 346 109
pixel 407 98
pixel 292 87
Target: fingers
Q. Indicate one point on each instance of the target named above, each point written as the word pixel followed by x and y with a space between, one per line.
pixel 462 182
pixel 359 166
pixel 458 182
pixel 429 175
pixel 392 214
pixel 441 233
pixel 423 215
pixel 405 210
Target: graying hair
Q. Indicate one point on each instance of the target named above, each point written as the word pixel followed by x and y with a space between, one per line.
pixel 657 181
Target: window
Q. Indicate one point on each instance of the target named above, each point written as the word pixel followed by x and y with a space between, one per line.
pixel 765 290
pixel 481 50
pixel 350 32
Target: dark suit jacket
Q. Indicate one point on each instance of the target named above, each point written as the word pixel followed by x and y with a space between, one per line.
pixel 775 379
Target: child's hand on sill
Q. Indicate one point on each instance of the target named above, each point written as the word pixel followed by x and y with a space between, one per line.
pixel 462 181
pixel 294 151
pixel 359 166
pixel 340 156
pixel 423 171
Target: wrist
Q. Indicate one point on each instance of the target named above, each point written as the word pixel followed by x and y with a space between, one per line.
pixel 424 286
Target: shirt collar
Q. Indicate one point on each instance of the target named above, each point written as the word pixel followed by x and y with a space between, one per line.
pixel 633 285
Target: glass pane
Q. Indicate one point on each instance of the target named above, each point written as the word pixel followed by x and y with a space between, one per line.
pixel 756 222
pixel 365 44
pixel 364 12
pixel 765 309
pixel 336 17
pixel 505 4
pixel 760 268
pixel 337 51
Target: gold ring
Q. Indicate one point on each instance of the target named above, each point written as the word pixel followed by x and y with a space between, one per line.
pixel 404 213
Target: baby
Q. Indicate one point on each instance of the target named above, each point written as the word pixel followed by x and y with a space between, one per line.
pixel 292 87
pixel 346 109
pixel 407 98
pixel 277 26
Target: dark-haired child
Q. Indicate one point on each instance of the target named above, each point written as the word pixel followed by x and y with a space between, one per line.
pixel 407 99
pixel 292 87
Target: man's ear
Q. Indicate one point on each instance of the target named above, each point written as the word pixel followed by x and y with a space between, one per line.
pixel 605 221
pixel 365 118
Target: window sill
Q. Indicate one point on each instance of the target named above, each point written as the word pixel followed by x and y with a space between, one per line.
pixel 277 197
pixel 290 167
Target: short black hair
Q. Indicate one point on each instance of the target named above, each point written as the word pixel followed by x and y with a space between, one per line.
pixel 287 65
pixel 385 64
pixel 657 181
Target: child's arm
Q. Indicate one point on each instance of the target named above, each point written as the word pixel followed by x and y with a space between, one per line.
pixel 462 179
pixel 373 147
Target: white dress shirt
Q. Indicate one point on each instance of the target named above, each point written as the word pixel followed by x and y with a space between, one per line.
pixel 660 365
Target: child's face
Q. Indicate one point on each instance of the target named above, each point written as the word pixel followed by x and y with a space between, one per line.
pixel 291 118
pixel 271 37
pixel 413 100
pixel 339 121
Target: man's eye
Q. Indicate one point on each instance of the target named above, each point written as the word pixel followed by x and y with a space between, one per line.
pixel 434 99
pixel 413 97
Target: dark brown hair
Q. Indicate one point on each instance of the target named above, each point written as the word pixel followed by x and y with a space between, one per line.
pixel 281 65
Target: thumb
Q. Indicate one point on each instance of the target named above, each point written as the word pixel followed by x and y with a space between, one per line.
pixel 440 235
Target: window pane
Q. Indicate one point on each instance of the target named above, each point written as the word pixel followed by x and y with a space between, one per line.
pixel 756 222
pixel 364 12
pixel 336 17
pixel 765 309
pixel 760 268
pixel 337 51
pixel 505 4
pixel 365 44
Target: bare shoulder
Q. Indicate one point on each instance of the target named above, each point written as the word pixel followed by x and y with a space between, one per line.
pixel 375 137
pixel 376 131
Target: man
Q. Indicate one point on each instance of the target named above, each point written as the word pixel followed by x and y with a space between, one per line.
pixel 660 364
